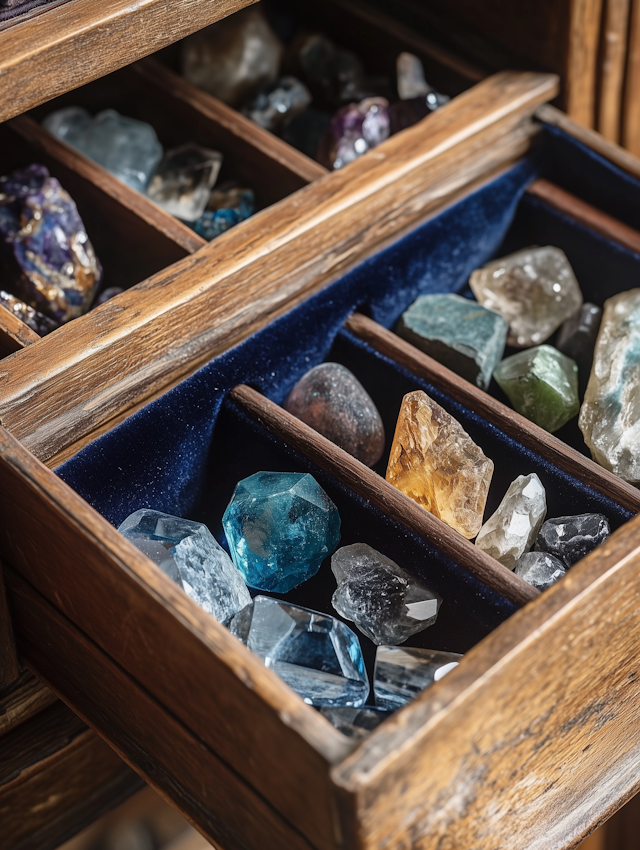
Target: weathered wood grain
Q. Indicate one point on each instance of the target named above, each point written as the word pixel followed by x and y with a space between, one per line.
pixel 372 487
pixel 611 67
pixel 9 667
pixel 494 411
pixel 14 334
pixel 178 653
pixel 532 741
pixel 121 353
pixel 631 104
pixel 81 40
pixel 580 60
pixel 22 700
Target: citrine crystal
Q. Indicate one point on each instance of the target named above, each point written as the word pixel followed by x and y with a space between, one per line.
pixel 461 334
pixel 183 181
pixel 332 400
pixel 280 526
pixel 542 384
pixel 610 414
pixel 435 462
pixel 354 722
pixel 570 538
pixel 512 529
pixel 534 289
pixel 540 569
pixel 191 556
pixel 385 602
pixel 315 654
pixel 401 673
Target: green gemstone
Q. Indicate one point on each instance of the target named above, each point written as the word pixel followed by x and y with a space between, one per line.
pixel 542 384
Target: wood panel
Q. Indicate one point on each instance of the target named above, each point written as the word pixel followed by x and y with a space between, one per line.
pixel 119 354
pixel 611 66
pixel 631 104
pixel 22 700
pixel 14 334
pixel 71 44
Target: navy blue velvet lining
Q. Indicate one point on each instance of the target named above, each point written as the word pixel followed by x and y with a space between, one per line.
pixel 171 454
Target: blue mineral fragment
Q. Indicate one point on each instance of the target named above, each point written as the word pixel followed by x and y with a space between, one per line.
pixel 317 656
pixel 280 526
pixel 225 209
pixel 191 556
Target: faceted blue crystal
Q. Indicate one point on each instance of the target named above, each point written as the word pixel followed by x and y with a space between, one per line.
pixel 280 526
pixel 316 655
pixel 190 555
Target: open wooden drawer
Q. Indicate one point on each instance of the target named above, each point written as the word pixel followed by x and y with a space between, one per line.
pixel 534 738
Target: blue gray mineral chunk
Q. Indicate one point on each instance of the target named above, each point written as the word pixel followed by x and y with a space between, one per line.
pixel 539 569
pixel 401 673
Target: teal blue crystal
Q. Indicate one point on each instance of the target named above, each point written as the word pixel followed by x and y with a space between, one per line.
pixel 459 333
pixel 317 655
pixel 280 526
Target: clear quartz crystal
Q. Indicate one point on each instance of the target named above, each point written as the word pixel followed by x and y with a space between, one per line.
pixel 385 602
pixel 191 556
pixel 540 569
pixel 512 529
pixel 355 723
pixel 183 182
pixel 610 415
pixel 534 289
pixel 316 655
pixel 401 673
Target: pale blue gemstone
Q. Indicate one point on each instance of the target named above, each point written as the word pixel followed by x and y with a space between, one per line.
pixel 401 673
pixel 190 555
pixel 280 526
pixel 317 655
pixel 461 334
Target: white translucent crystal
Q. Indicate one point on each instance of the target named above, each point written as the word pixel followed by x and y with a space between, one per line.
pixel 512 529
pixel 610 414
pixel 401 673
pixel 540 569
pixel 190 555
pixel 534 289
pixel 183 182
pixel 410 76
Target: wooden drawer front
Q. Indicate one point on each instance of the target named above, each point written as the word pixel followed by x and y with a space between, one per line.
pixel 505 749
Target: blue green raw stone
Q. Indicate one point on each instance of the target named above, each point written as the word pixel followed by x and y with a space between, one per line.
pixel 542 384
pixel 459 333
pixel 280 526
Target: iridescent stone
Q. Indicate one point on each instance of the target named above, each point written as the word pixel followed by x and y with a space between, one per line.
pixel 316 655
pixel 436 463
pixel 68 124
pixel 610 414
pixel 355 723
pixel 542 384
pixel 330 399
pixel 570 538
pixel 232 58
pixel 183 182
pixel 577 339
pixel 461 334
pixel 534 289
pixel 353 131
pixel 225 209
pixel 402 673
pixel 385 602
pixel 278 103
pixel 191 556
pixel 540 569
pixel 54 267
pixel 280 526
pixel 34 320
pixel 109 293
pixel 512 529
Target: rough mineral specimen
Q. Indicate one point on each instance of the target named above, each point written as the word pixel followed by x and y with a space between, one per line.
pixel 512 529
pixel 577 339
pixel 355 129
pixel 534 289
pixel 400 674
pixel 190 555
pixel 610 414
pixel 47 254
pixel 280 526
pixel 316 655
pixel 354 722
pixel 68 124
pixel 435 462
pixel 232 58
pixel 183 182
pixel 278 103
pixel 540 569
pixel 385 602
pixel 226 208
pixel 36 321
pixel 461 334
pixel 334 75
pixel 570 538
pixel 332 400
pixel 542 384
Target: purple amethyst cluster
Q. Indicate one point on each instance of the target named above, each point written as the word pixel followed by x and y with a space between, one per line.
pixel 49 262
